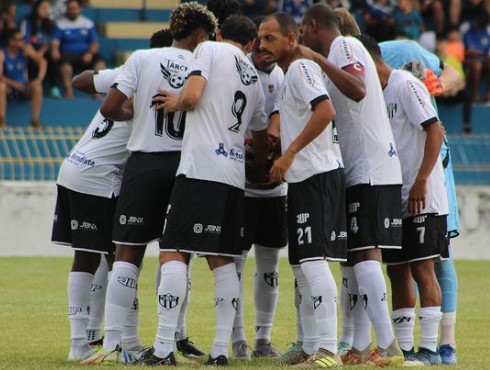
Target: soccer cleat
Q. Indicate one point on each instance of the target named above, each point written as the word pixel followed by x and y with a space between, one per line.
pixel 79 353
pixel 103 356
pixel 356 357
pixel 410 359
pixel 448 354
pixel 428 357
pixel 128 356
pixel 221 360
pixel 295 358
pixel 149 359
pixel 186 361
pixel 293 349
pixel 321 359
pixel 265 350
pixel 391 356
pixel 240 350
pixel 343 348
pixel 188 349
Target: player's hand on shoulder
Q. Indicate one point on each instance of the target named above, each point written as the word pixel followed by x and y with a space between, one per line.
pixel 165 100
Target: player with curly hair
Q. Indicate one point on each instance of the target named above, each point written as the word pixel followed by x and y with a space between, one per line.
pixel 155 143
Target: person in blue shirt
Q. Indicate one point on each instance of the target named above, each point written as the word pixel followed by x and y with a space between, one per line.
pixel 14 81
pixel 75 45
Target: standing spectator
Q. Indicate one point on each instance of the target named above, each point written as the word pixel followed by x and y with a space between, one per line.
pixel 408 20
pixel 222 9
pixel 378 18
pixel 13 76
pixel 477 49
pixel 38 29
pixel 257 8
pixel 75 45
pixel 296 8
pixel 7 19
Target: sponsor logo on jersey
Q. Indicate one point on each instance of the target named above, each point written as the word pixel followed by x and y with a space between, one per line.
pixel 306 74
pixel 345 49
pixel 415 92
pixel 391 109
pixel 80 159
pixel 172 73
pixel 247 74
pixel 221 150
pixel 392 151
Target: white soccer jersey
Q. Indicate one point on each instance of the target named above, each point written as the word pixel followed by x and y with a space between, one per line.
pixel 409 109
pixel 96 164
pixel 303 87
pixel 144 72
pixel 271 83
pixel 365 136
pixel 232 101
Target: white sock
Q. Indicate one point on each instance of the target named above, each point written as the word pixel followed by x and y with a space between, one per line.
pixel 297 302
pixel 429 325
pixel 238 334
pixel 227 292
pixel 404 321
pixel 266 290
pixel 171 295
pixel 121 291
pixel 97 301
pixel 306 312
pixel 79 284
pixel 130 339
pixel 362 324
pixel 324 297
pixel 448 322
pixel 345 306
pixel 372 287
pixel 181 333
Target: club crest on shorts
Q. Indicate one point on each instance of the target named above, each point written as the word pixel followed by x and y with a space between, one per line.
pixel 168 301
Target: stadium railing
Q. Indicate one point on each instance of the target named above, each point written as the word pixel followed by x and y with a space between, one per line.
pixel 27 154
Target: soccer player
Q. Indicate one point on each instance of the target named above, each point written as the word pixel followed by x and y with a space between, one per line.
pixel 88 185
pixel 265 228
pixel 312 165
pixel 155 144
pixel 373 176
pixel 419 136
pixel 222 98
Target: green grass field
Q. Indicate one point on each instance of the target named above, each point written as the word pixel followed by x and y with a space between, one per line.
pixel 34 329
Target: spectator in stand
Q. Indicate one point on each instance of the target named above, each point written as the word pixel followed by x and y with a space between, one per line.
pixel 378 19
pixel 38 30
pixel 222 9
pixel 75 45
pixel 14 81
pixel 7 19
pixel 258 8
pixel 296 8
pixel 441 13
pixel 477 49
pixel 451 52
pixel 408 20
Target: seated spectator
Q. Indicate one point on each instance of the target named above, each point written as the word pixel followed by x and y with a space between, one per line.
pixel 38 29
pixel 296 8
pixel 378 19
pixel 7 19
pixel 14 80
pixel 408 20
pixel 222 9
pixel 477 60
pixel 75 45
pixel 258 8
